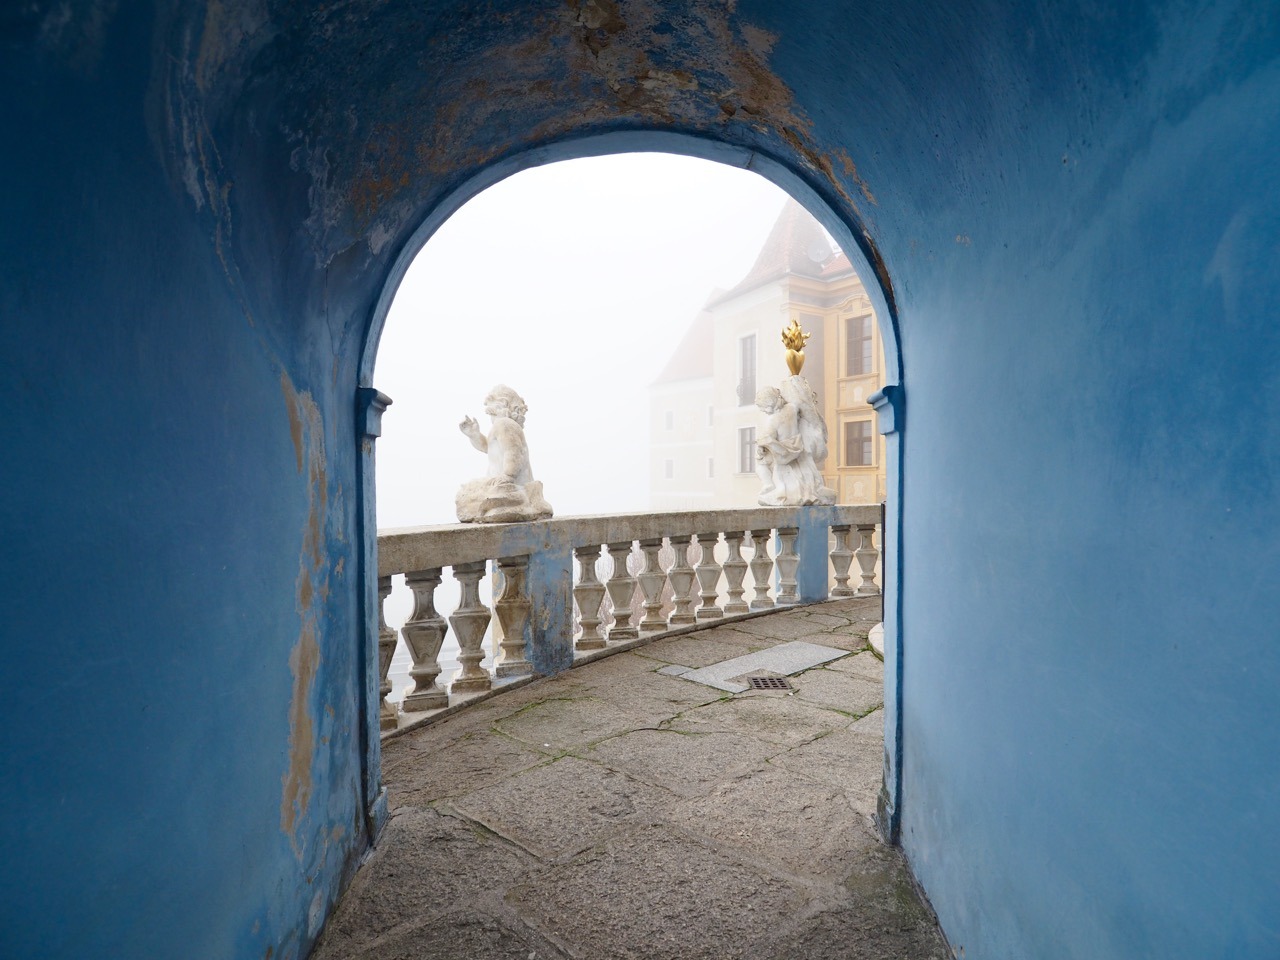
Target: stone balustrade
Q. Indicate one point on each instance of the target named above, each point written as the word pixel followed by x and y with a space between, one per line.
pixel 543 617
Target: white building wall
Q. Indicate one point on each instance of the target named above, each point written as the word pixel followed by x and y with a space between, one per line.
pixel 762 313
pixel 681 434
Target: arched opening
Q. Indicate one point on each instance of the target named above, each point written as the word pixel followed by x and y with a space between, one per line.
pixel 850 237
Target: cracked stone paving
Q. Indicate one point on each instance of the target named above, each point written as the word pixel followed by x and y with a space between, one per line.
pixel 624 809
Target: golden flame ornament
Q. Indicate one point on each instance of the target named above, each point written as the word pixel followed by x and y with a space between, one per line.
pixel 794 339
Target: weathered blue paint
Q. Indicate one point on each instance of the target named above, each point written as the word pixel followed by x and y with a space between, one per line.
pixel 813 546
pixel 890 406
pixel 371 404
pixel 1072 214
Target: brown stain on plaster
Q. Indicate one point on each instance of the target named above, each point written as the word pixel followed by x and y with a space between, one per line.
pixel 851 171
pixel 295 417
pixel 695 65
pixel 306 429
pixel 882 272
pixel 559 68
pixel 304 661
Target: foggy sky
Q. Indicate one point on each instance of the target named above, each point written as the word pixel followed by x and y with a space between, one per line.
pixel 571 283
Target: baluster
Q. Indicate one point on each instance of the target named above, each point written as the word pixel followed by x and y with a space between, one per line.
pixel 387 717
pixel 652 580
pixel 761 569
pixel 735 571
pixel 708 578
pixel 589 593
pixel 513 614
pixel 681 577
pixel 424 633
pixel 867 555
pixel 469 622
pixel 622 587
pixel 841 558
pixel 788 562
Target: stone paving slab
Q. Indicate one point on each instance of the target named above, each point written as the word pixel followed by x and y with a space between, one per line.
pixel 618 811
pixel 563 806
pixel 870 609
pixel 567 685
pixel 727 634
pixel 413 872
pixel 684 763
pixel 865 665
pixel 657 894
pixel 466 763
pixel 776 628
pixel 872 726
pixel 781 660
pixel 848 760
pixel 778 720
pixel 463 935
pixel 690 650
pixel 566 723
pixel 824 619
pixel 805 826
pixel 852 639
pixel 627 664
pixel 852 695
pixel 877 932
pixel 657 700
pixel 880 918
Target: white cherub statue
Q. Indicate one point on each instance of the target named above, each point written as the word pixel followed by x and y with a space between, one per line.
pixel 507 493
pixel 791 445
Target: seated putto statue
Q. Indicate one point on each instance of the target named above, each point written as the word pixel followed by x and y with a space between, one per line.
pixel 791 446
pixel 507 492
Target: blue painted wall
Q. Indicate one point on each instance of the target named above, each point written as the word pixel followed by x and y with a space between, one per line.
pixel 1073 213
pixel 179 604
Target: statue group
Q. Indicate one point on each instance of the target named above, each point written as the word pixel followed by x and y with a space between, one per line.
pixel 790 450
pixel 791 446
pixel 507 493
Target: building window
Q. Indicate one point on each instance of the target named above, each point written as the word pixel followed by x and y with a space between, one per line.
pixel 671 420
pixel 711 416
pixel 746 449
pixel 858 356
pixel 747 370
pixel 711 468
pixel 668 469
pixel 858 450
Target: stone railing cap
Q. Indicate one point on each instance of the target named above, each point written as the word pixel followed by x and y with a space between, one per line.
pixel 407 549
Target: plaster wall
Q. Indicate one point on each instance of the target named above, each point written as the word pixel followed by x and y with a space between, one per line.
pixel 180 604
pixel 688 443
pixel 1091 519
pixel 760 313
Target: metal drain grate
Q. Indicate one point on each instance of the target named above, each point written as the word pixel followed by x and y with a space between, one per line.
pixel 768 683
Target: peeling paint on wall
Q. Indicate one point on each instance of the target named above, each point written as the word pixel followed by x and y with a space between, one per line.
pixel 489 82
pixel 187 95
pixel 233 31
pixel 307 432
pixel 478 83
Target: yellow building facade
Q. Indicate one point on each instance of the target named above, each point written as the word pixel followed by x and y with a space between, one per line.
pixel 703 418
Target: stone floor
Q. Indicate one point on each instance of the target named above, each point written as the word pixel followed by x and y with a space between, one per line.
pixel 619 811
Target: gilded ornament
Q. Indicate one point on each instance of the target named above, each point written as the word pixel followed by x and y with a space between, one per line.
pixel 794 339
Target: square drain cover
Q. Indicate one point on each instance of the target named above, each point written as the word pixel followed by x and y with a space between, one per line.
pixel 768 683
